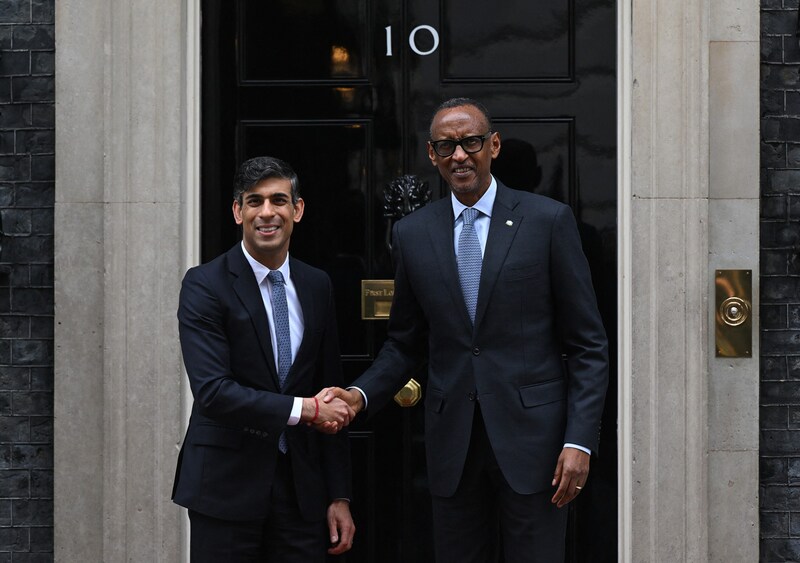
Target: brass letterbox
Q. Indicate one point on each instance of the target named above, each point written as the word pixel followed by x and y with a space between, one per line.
pixel 376 299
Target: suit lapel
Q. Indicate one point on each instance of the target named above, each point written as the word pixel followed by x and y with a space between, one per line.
pixel 502 230
pixel 441 235
pixel 302 285
pixel 246 288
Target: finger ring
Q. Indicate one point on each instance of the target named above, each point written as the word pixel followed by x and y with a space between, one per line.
pixel 579 488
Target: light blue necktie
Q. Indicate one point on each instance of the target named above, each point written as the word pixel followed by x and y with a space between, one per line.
pixel 280 315
pixel 469 261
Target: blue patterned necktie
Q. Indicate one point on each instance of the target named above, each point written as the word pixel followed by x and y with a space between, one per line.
pixel 469 261
pixel 280 315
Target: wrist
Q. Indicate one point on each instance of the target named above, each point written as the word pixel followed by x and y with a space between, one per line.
pixel 308 409
pixel 316 410
pixel 358 400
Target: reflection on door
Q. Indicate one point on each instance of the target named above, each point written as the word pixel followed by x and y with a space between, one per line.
pixel 344 91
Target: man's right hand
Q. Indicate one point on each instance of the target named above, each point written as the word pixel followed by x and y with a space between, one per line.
pixel 326 416
pixel 351 396
pixel 333 395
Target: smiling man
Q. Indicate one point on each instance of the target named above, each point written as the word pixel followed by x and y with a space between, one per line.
pixel 258 336
pixel 493 290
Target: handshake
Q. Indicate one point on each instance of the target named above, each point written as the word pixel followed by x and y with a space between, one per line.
pixel 331 409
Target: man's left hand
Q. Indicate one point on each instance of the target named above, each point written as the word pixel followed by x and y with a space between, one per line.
pixel 341 527
pixel 570 476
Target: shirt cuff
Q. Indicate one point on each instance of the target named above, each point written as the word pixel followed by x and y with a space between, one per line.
pixel 363 395
pixel 297 410
pixel 577 447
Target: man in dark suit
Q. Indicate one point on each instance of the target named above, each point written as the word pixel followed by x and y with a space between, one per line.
pixel 258 333
pixel 493 290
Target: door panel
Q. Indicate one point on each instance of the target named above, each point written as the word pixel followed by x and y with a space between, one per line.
pixel 310 41
pixel 332 159
pixel 537 155
pixel 344 91
pixel 506 41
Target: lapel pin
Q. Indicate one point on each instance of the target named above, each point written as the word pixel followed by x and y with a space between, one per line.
pixel 509 223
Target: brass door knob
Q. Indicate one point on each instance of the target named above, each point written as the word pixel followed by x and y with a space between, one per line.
pixel 409 395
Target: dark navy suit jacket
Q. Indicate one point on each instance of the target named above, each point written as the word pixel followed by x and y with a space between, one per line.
pixel 228 458
pixel 536 357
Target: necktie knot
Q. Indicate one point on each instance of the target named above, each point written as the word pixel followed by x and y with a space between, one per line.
pixel 469 214
pixel 275 277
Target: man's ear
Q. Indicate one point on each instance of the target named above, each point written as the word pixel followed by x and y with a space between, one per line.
pixel 237 212
pixel 299 207
pixel 495 140
pixel 431 153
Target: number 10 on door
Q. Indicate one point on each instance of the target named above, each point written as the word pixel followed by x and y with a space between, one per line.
pixel 412 40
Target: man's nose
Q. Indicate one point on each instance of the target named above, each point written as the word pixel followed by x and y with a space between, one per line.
pixel 266 210
pixel 459 154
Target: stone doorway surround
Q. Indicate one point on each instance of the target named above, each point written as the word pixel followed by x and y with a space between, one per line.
pixel 689 204
pixel 126 225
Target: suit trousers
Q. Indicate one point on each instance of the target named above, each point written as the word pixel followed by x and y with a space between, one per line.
pixel 485 517
pixel 282 537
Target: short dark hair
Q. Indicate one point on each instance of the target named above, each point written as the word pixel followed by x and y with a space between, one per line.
pixel 460 102
pixel 253 171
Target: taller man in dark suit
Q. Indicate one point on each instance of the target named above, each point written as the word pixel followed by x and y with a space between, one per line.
pixel 493 290
pixel 258 333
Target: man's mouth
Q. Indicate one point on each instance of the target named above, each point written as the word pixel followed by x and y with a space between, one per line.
pixel 267 229
pixel 462 170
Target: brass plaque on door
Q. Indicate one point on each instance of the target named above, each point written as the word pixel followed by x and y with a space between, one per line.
pixel 376 299
pixel 733 313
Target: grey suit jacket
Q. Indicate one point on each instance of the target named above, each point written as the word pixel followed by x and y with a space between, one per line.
pixel 536 359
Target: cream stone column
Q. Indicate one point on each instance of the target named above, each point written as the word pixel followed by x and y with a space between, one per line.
pixel 669 246
pixel 122 136
pixel 734 203
pixel 688 204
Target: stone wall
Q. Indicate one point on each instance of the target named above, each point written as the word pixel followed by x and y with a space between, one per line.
pixel 27 173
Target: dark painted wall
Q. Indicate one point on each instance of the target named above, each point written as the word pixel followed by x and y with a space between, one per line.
pixel 27 173
pixel 780 282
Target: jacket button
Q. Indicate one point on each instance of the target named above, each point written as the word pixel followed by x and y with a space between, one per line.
pixel 476 351
pixel 472 395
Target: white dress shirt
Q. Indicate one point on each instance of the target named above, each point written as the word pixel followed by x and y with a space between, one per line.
pixel 482 220
pixel 295 316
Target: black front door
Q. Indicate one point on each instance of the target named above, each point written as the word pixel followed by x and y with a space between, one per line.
pixel 344 91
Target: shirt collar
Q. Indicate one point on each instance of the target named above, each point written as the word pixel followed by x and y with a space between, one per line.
pixel 484 204
pixel 261 271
